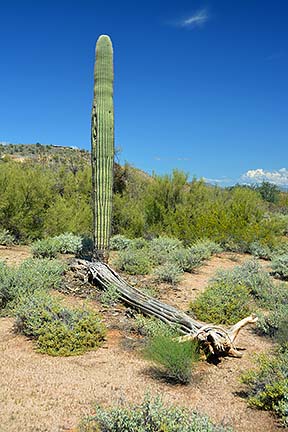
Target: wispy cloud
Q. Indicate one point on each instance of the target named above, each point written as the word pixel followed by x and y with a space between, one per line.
pixel 195 20
pixel 277 177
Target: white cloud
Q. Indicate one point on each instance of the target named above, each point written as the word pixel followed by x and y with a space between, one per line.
pixel 278 177
pixel 196 20
pixel 217 181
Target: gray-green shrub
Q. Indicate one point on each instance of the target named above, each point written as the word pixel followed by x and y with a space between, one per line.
pixel 46 248
pixel 250 274
pixel 30 276
pixel 133 262
pixel 51 246
pixel 6 239
pixel 168 272
pixel 58 330
pixel 279 266
pixel 119 242
pixel 151 415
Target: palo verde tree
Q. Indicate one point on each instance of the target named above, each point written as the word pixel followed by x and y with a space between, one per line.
pixel 102 147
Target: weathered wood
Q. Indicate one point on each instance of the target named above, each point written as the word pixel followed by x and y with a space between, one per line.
pixel 215 340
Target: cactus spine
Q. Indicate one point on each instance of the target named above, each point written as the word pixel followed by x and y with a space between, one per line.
pixel 102 147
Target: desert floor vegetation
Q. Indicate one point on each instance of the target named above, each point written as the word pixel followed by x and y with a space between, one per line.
pixel 132 360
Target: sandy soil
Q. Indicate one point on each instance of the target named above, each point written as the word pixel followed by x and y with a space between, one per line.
pixel 14 255
pixel 43 393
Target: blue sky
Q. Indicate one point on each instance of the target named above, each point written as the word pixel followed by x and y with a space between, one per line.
pixel 199 85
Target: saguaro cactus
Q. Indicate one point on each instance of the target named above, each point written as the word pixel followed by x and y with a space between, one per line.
pixel 102 147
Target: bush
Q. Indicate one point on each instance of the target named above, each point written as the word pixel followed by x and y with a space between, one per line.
pixel 275 323
pixel 222 303
pixel 152 415
pixel 161 248
pixel 47 248
pixel 119 242
pixel 6 239
pixel 186 259
pixel 260 250
pixel 68 243
pixel 133 262
pixel 174 359
pixel 110 296
pixel 205 248
pixel 250 274
pixel 139 243
pixel 279 266
pixel 50 247
pixel 268 385
pixel 169 272
pixel 6 284
pixel 30 276
pixel 154 327
pixel 58 330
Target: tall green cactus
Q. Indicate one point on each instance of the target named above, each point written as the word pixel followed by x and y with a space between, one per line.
pixel 102 147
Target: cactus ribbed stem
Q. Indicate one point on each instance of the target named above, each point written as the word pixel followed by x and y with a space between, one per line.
pixel 102 147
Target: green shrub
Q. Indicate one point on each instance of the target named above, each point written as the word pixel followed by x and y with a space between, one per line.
pixel 51 246
pixel 58 330
pixel 275 323
pixel 139 243
pixel 154 327
pixel 168 272
pixel 6 285
pixel 6 239
pixel 222 303
pixel 30 276
pixel 119 242
pixel 68 243
pixel 110 296
pixel 151 415
pixel 185 259
pixel 205 248
pixel 174 359
pixel 47 248
pixel 268 384
pixel 133 262
pixel 260 250
pixel 279 266
pixel 250 274
pixel 161 248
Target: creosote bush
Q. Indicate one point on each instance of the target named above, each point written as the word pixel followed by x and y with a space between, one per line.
pixel 58 330
pixel 151 415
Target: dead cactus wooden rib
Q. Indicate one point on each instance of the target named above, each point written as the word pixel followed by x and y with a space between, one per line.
pixel 214 339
